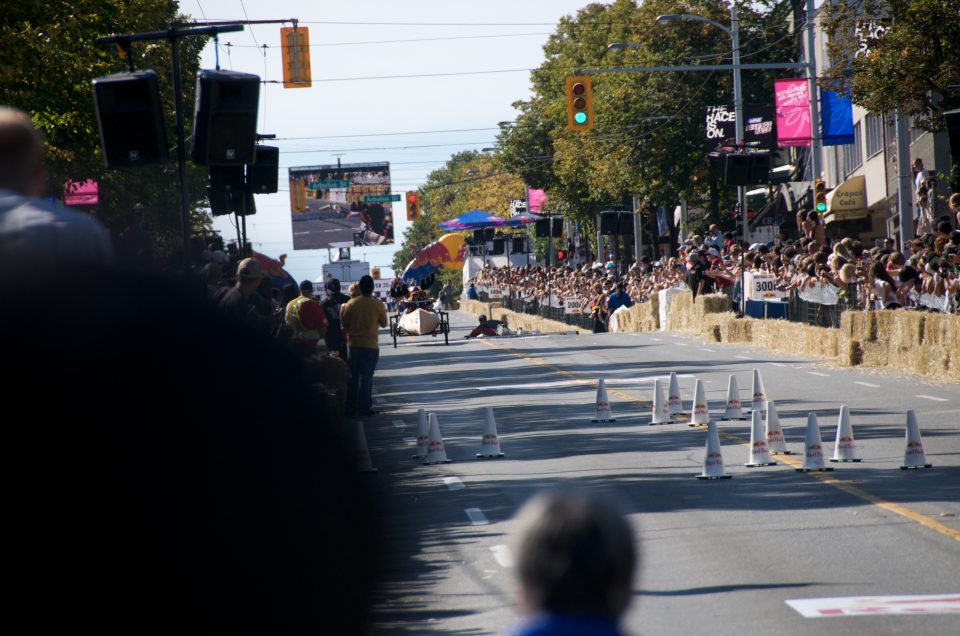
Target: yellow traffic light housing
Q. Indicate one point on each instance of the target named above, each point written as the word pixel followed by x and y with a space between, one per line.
pixel 295 54
pixel 375 273
pixel 820 196
pixel 579 103
pixel 413 205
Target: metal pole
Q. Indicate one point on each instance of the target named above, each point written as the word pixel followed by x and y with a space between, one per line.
pixel 904 180
pixel 738 107
pixel 683 220
pixel 816 145
pixel 637 232
pixel 599 253
pixel 181 152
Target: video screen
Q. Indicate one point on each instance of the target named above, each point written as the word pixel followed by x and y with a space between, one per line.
pixel 341 206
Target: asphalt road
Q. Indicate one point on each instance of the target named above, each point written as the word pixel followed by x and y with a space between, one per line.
pixel 717 557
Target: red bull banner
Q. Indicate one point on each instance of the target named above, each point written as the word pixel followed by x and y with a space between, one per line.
pixel 792 101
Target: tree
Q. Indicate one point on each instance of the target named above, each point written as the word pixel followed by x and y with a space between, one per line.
pixel 896 54
pixel 47 63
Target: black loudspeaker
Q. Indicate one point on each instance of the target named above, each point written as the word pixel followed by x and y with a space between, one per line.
pixel 625 227
pixel 736 170
pixel 225 118
pixel 478 236
pixel 497 247
pixel 609 223
pixel 227 190
pixel 557 228
pixel 489 233
pixel 759 168
pixel 519 246
pixel 262 174
pixel 542 228
pixel 952 120
pixel 130 117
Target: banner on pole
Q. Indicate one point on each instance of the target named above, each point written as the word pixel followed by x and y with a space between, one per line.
pixel 836 118
pixel 792 101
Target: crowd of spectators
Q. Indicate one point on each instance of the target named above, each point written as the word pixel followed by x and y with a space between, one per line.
pixel 924 275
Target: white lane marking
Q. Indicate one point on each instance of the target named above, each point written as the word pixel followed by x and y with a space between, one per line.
pixel 930 397
pixel 744 357
pixel 409 441
pixel 822 375
pixel 503 555
pixel 656 339
pixel 681 344
pixel 709 350
pixel 453 483
pixel 779 364
pixel 398 424
pixel 867 384
pixel 476 516
pixel 561 383
pixel 378 400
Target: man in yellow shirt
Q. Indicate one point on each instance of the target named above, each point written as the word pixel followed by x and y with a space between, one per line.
pixel 361 319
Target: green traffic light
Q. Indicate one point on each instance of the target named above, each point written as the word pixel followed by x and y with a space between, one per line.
pixel 580 118
pixel 821 207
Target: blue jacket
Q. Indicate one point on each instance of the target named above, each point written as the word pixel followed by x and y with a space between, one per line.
pixel 568 625
pixel 618 300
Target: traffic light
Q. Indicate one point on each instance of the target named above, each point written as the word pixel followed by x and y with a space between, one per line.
pixel 820 196
pixel 413 206
pixel 560 255
pixel 295 55
pixel 375 273
pixel 579 103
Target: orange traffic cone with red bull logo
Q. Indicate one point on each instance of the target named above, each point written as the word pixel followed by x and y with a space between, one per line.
pixel 660 413
pixel 674 400
pixel 759 395
pixel 713 459
pixel 490 443
pixel 423 434
pixel 813 457
pixel 700 413
pixel 603 404
pixel 913 456
pixel 364 465
pixel 436 453
pixel 759 453
pixel 775 440
pixel 844 450
pixel 733 410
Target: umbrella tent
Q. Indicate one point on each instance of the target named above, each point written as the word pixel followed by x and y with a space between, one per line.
pixel 478 220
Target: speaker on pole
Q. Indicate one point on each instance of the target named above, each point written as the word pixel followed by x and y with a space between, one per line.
pixel 130 118
pixel 262 173
pixel 227 190
pixel 609 223
pixel 497 247
pixel 542 228
pixel 952 119
pixel 625 224
pixel 759 168
pixel 225 118
pixel 556 229
pixel 519 245
pixel 736 170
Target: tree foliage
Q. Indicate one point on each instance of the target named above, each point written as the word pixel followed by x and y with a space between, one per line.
pixel 648 139
pixel 910 65
pixel 48 60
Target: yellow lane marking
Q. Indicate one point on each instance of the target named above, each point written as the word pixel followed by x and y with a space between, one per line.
pixel 825 478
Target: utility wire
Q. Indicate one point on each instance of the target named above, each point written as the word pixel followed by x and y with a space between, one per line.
pixel 455 37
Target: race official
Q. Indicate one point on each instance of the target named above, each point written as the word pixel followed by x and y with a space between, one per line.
pixel 361 318
pixel 307 321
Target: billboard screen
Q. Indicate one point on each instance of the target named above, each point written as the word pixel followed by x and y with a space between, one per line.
pixel 341 206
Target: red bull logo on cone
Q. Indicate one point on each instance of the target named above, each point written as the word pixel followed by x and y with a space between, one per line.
pixel 700 409
pixel 733 404
pixel 914 448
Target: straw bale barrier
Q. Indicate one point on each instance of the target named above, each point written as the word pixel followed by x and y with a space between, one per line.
pixel 640 317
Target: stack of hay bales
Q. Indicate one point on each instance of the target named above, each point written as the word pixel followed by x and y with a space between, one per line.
pixel 922 343
pixel 641 317
pixel 794 337
pixel 700 316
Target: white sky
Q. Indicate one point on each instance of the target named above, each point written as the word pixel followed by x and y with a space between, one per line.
pixel 376 106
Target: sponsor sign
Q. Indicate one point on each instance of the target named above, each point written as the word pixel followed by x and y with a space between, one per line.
pixel 876 605
pixel 517 206
pixel 762 286
pixel 571 305
pixel 758 126
pixel 791 97
pixel 495 293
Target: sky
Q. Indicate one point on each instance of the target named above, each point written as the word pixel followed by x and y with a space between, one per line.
pixel 415 123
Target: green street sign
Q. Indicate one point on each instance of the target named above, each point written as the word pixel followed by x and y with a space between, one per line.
pixel 327 185
pixel 381 198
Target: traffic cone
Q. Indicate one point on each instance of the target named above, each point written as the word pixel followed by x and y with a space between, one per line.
pixel 913 456
pixel 813 457
pixel 775 441
pixel 844 450
pixel 674 400
pixel 490 443
pixel 423 434
pixel 364 465
pixel 713 459
pixel 759 453
pixel 436 453
pixel 700 413
pixel 733 410
pixel 660 412
pixel 759 399
pixel 603 404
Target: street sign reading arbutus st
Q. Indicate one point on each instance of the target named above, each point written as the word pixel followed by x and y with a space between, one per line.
pixel 381 198
pixel 326 185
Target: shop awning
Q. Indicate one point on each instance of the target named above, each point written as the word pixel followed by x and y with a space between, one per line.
pixel 848 201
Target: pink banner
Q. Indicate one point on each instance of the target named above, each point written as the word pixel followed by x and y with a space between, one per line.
pixel 791 97
pixel 537 199
pixel 86 193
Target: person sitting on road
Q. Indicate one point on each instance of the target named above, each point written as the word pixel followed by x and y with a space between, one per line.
pixel 486 328
pixel 575 564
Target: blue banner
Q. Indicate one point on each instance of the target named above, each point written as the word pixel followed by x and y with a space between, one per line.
pixel 836 118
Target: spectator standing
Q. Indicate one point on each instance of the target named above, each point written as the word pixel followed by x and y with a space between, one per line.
pixel 307 321
pixel 472 292
pixel 575 564
pixel 334 337
pixel 242 301
pixel 715 238
pixel 361 318
pixel 446 295
pixel 598 309
pixel 619 298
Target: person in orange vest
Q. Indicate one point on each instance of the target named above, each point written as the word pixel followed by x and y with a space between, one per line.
pixel 306 318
